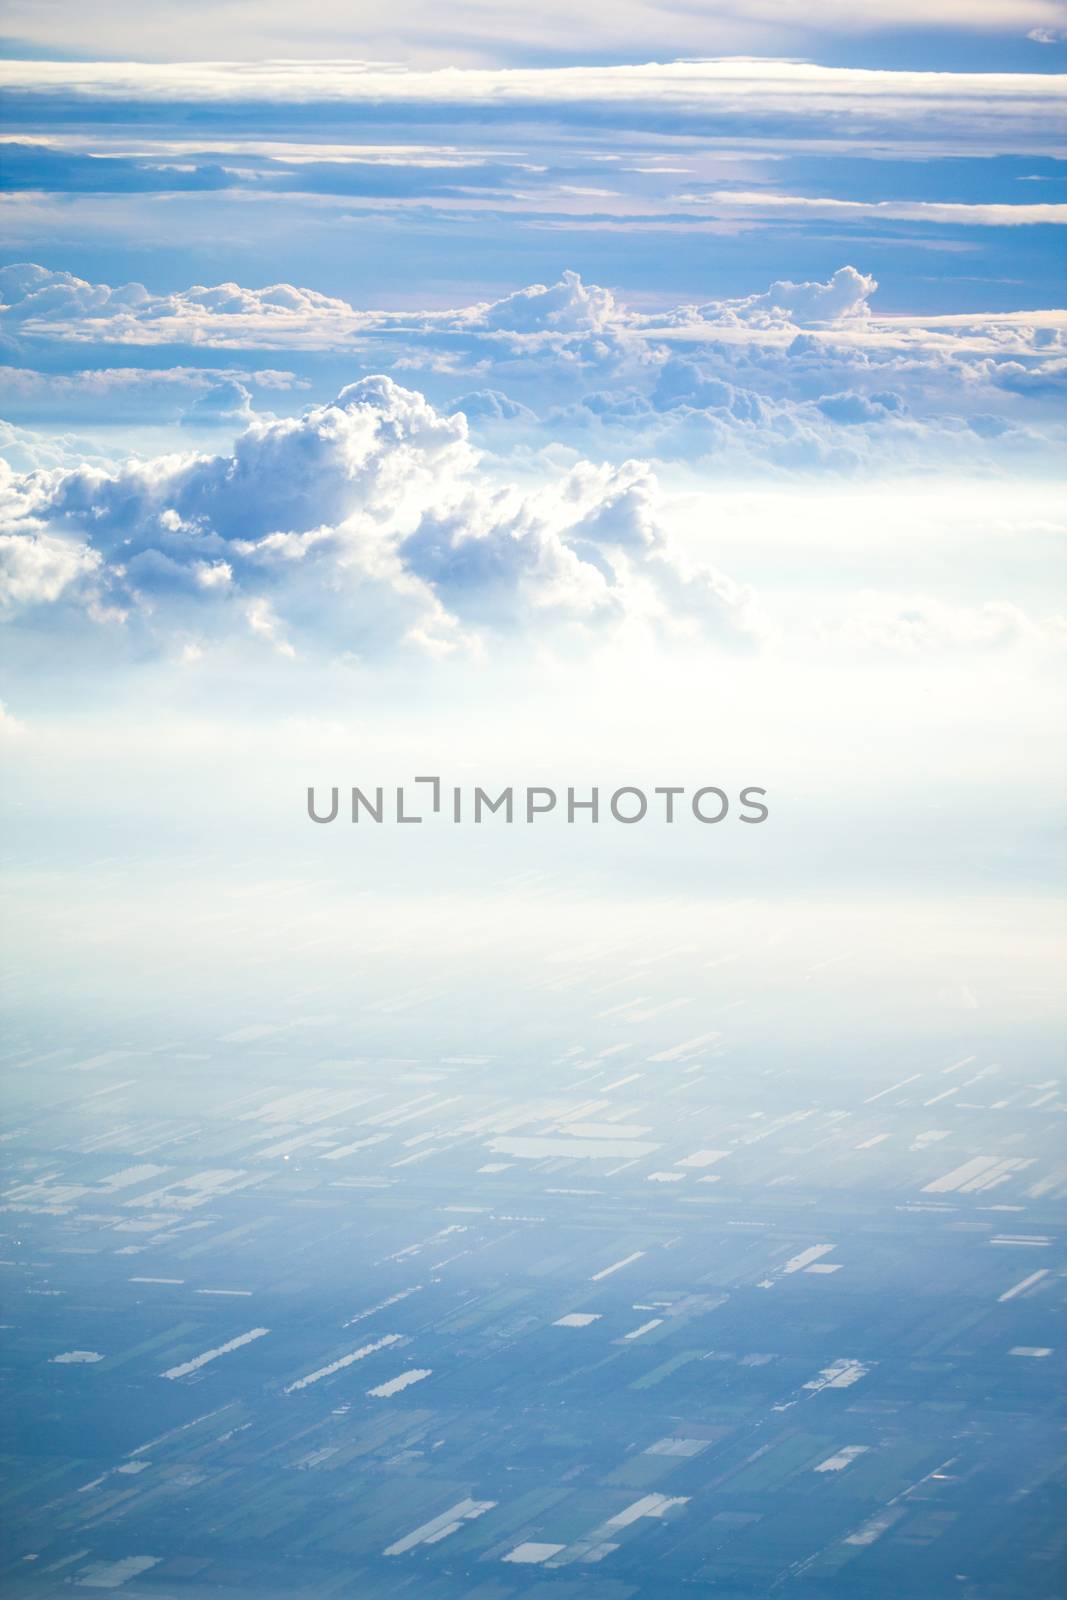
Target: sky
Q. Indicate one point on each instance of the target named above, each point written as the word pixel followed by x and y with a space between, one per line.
pixel 476 391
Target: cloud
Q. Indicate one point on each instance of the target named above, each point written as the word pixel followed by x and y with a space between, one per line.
pixel 196 396
pixel 10 726
pixel 359 525
pixel 569 315
pixel 64 305
pixel 37 569
pixel 846 295
pixel 910 624
pixel 802 376
pixel 1041 378
pixel 225 400
pixel 42 303
pixel 851 408
pixel 766 203
pixel 42 165
pixel 568 307
pixel 26 449
pixel 503 32
pixel 39 301
pixel 31 166
pixel 490 405
pixel 759 95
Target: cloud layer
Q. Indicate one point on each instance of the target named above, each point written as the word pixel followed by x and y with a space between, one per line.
pixel 799 377
pixel 509 32
pixel 499 470
pixel 703 94
pixel 471 32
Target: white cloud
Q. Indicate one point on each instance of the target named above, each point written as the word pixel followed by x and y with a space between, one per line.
pixel 1017 109
pixel 765 203
pixel 359 524
pixel 10 726
pixel 262 620
pixel 38 301
pixel 846 295
pixel 568 307
pixel 26 449
pixel 62 305
pixel 38 568
pixel 909 624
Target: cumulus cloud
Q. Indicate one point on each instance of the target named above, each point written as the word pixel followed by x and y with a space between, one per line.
pixel 491 405
pixel 62 305
pixel 38 568
pixel 844 296
pixel 25 449
pixel 569 306
pixel 360 524
pixel 852 409
pixel 36 300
